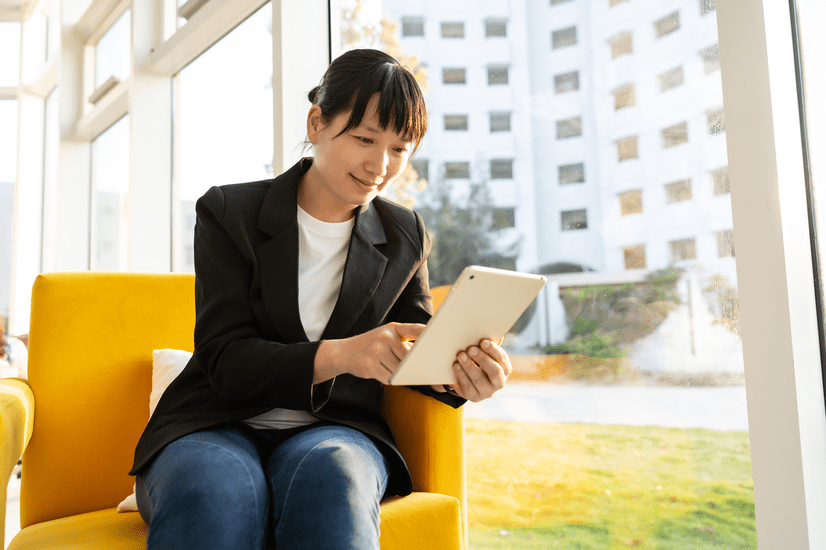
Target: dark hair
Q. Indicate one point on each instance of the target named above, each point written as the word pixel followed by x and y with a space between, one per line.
pixel 353 78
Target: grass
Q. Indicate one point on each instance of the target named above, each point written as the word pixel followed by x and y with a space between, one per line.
pixel 577 486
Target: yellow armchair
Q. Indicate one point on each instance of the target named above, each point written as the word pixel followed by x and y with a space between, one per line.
pixel 91 338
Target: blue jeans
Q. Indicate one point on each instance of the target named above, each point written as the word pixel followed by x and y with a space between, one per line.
pixel 237 488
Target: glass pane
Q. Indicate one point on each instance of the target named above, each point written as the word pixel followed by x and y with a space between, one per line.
pixel 624 424
pixel 8 176
pixel 110 198
pixel 813 46
pixel 10 46
pixel 113 51
pixel 213 111
pixel 51 149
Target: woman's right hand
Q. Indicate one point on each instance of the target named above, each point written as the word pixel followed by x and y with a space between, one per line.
pixel 375 354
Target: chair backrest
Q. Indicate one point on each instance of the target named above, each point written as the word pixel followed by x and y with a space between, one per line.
pixel 91 338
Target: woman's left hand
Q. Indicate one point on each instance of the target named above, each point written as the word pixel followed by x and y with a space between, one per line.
pixel 480 371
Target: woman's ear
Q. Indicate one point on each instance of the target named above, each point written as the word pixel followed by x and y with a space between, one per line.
pixel 315 123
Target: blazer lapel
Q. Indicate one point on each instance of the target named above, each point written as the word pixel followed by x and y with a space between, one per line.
pixel 278 256
pixel 278 261
pixel 363 271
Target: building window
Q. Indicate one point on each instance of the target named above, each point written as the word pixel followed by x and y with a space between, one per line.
pixel 455 122
pixel 634 256
pixel 621 44
pixel 574 219
pixel 624 96
pixel 720 179
pixel 453 29
pixel 675 135
pixel 457 170
pixel 412 26
pixel 707 6
pixel 497 75
pixel 495 28
pixel 630 202
pixel 421 167
pixel 566 82
pixel 453 76
pixel 563 38
pixel 671 79
pixel 571 173
pixel 569 127
pixel 501 169
pixel 678 191
pixel 502 218
pixel 612 3
pixel 627 148
pixel 500 122
pixel 668 24
pixel 683 249
pixel 716 121
pixel 725 243
pixel 711 58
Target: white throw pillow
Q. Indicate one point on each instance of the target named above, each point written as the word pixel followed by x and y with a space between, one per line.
pixel 167 364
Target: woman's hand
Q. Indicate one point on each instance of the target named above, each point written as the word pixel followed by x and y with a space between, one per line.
pixel 375 354
pixel 480 371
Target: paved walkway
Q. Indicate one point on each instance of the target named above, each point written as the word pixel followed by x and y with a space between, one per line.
pixel 715 408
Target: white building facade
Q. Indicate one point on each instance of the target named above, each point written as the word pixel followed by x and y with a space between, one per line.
pixel 614 134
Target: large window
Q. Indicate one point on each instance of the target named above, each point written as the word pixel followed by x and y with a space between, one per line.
pixel 8 173
pixel 112 55
pixel 10 46
pixel 232 144
pixel 623 198
pixel 110 199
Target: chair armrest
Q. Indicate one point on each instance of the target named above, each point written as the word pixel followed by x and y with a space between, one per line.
pixel 431 437
pixel 16 423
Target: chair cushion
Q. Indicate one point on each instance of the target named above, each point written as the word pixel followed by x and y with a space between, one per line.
pixel 419 520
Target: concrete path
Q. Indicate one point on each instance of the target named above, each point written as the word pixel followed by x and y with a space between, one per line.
pixel 715 408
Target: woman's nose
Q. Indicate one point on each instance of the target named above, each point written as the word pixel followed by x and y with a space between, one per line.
pixel 377 163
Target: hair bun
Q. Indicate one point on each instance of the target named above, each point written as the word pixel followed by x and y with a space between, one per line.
pixel 313 94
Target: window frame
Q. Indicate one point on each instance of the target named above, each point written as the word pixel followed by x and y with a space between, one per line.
pixel 775 273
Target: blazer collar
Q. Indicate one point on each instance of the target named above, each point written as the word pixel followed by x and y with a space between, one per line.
pixel 278 260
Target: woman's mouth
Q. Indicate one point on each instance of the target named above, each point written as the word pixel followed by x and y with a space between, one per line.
pixel 364 183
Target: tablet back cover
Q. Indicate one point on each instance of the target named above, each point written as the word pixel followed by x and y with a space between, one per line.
pixel 483 303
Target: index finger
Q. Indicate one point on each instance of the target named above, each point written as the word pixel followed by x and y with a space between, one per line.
pixel 408 331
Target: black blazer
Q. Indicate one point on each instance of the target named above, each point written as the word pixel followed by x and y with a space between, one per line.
pixel 251 352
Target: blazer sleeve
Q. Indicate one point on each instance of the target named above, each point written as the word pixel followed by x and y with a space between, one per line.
pixel 237 360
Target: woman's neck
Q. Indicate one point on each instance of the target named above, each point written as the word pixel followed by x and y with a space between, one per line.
pixel 318 204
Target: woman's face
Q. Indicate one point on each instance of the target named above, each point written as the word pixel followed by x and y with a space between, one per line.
pixel 350 169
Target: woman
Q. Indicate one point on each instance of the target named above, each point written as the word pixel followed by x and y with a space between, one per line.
pixel 305 287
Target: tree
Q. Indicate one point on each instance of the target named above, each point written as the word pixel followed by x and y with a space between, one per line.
pixel 463 234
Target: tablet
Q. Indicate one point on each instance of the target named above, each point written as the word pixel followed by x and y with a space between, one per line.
pixel 483 303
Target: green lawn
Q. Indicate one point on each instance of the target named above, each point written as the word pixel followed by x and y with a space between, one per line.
pixel 577 486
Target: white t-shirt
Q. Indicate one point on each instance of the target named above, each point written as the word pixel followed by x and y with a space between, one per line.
pixel 322 252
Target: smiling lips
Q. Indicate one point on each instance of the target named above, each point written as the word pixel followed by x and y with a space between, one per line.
pixel 364 183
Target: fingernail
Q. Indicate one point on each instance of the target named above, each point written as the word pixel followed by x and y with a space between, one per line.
pixel 474 351
pixel 486 344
